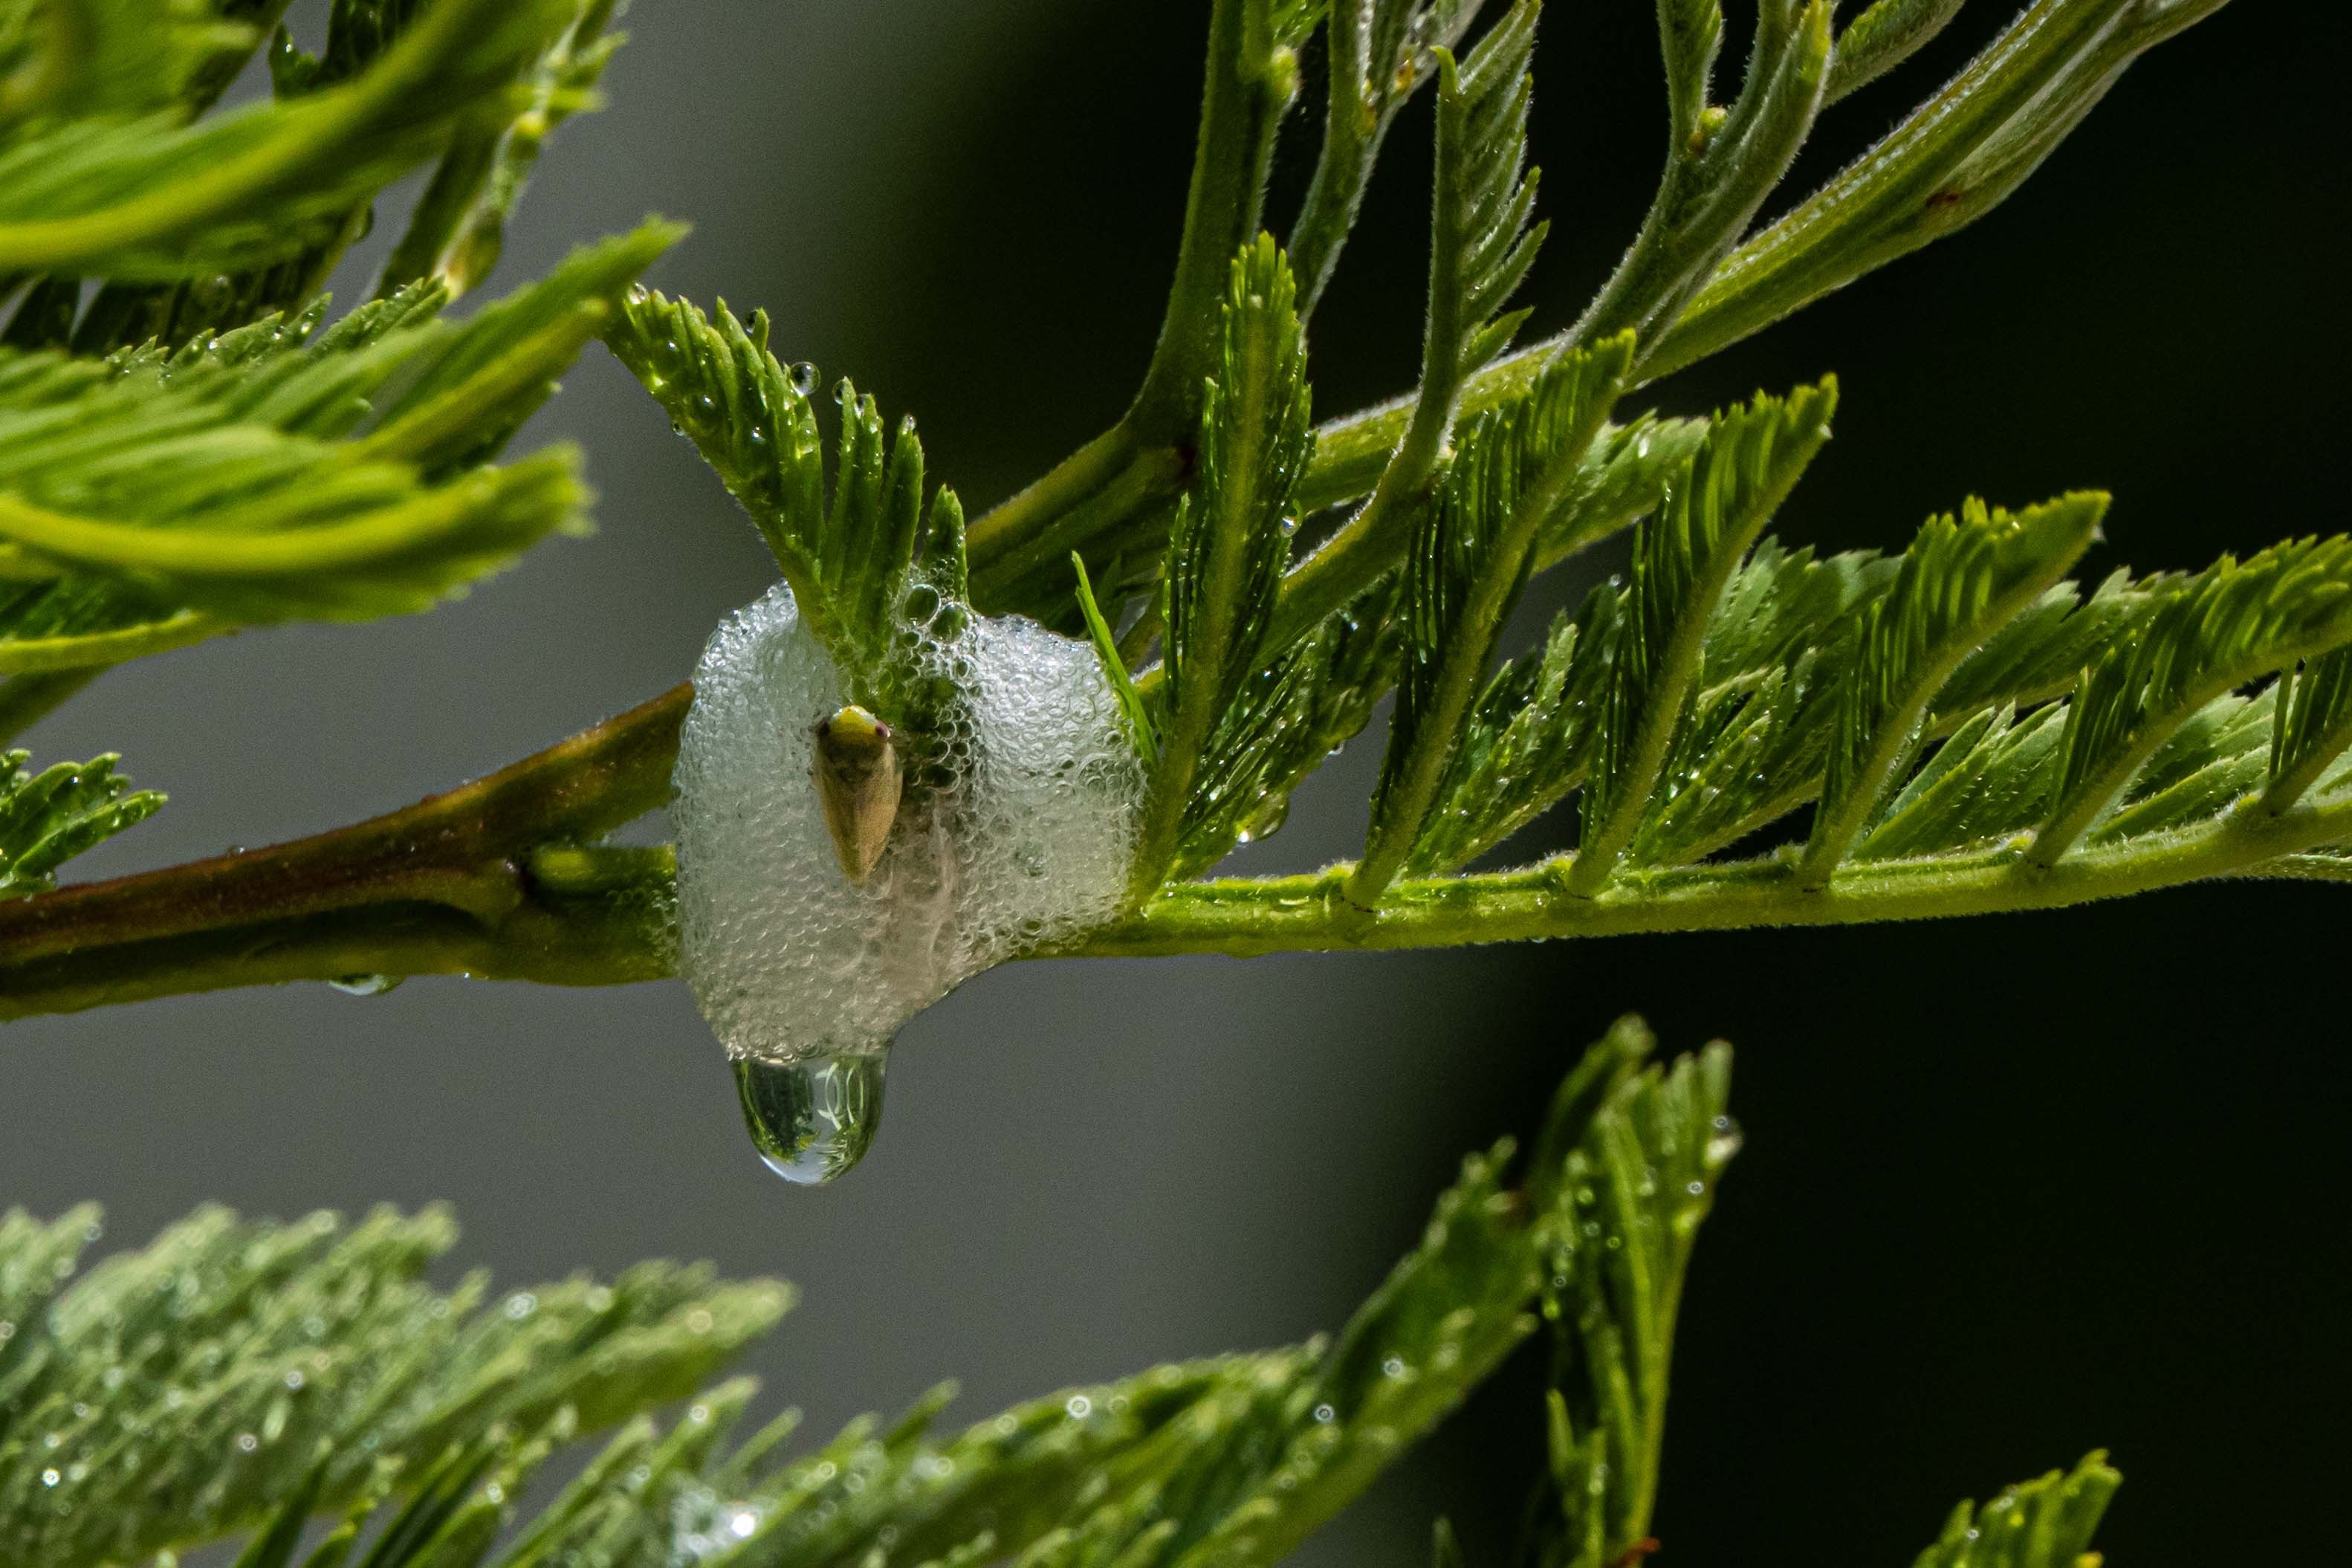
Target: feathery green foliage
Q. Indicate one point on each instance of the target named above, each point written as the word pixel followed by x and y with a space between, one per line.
pixel 175 1394
pixel 1712 511
pixel 187 446
pixel 1635 1189
pixel 1960 578
pixel 150 197
pixel 276 472
pixel 852 555
pixel 47 818
pixel 239 1377
pixel 2046 1522
pixel 1471 557
pixel 1912 705
pixel 1377 54
pixel 1226 550
pixel 2221 628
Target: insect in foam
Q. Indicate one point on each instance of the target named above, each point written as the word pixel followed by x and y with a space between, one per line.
pixel 858 779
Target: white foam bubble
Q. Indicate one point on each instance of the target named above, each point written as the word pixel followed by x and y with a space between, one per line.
pixel 1027 842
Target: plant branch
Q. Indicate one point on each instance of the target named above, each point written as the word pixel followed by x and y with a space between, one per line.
pixel 1244 918
pixel 459 882
pixel 1996 120
pixel 481 881
pixel 1144 456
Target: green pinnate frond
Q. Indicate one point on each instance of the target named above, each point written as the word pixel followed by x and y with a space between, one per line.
pixel 1483 240
pixel 1624 475
pixel 151 198
pixel 1722 160
pixel 1992 779
pixel 1313 700
pixel 1380 52
pixel 1527 743
pixel 2046 1522
pixel 1683 557
pixel 130 313
pixel 1784 602
pixel 476 386
pixel 47 818
pixel 2314 726
pixel 151 499
pixel 1961 579
pixel 284 1373
pixel 1752 746
pixel 1633 1192
pixel 2229 625
pixel 2045 650
pixel 119 59
pixel 458 226
pixel 177 1393
pixel 2209 764
pixel 851 556
pixel 1747 752
pixel 1230 537
pixel 1954 159
pixel 1881 37
pixel 1472 553
pixel 1481 247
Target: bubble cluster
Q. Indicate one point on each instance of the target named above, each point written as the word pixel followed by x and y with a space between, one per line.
pixel 1017 833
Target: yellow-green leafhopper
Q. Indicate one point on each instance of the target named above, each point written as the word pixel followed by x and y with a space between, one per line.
pixel 858 778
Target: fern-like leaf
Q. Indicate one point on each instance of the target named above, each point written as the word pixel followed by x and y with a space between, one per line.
pixel 2229 625
pixel 458 226
pixel 151 198
pixel 1527 743
pixel 1963 578
pixel 851 556
pixel 1683 559
pixel 267 1373
pixel 1230 537
pixel 2313 727
pixel 1313 700
pixel 2046 1522
pixel 47 818
pixel 1380 52
pixel 153 499
pixel 177 1393
pixel 1886 34
pixel 1471 559
pixel 1721 161
pixel 1634 1193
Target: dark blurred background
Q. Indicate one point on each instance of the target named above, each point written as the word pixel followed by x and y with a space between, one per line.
pixel 2014 1187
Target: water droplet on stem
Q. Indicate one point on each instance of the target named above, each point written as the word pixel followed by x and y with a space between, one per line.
pixel 812 1119
pixel 364 985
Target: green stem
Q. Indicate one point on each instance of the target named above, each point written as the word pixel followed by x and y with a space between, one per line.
pixel 1249 918
pixel 1146 455
pixel 1042 533
pixel 445 888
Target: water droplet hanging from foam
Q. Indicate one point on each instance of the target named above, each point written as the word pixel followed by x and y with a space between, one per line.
pixel 811 1119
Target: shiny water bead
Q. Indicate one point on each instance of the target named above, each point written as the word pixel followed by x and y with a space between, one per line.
pixel 811 1119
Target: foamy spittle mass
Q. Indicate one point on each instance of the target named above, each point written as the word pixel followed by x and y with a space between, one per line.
pixel 1023 840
